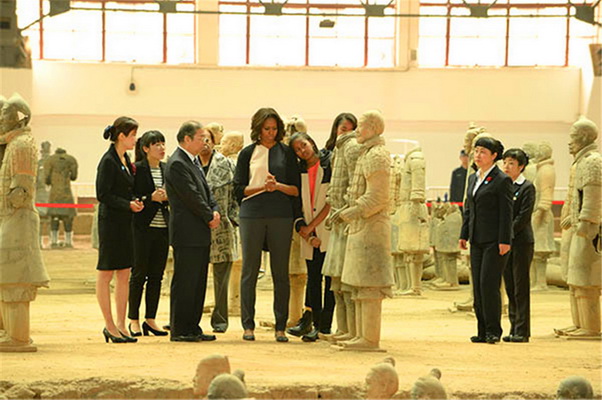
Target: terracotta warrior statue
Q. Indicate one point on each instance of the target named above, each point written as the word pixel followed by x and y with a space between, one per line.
pixel 42 192
pixel 413 218
pixel 543 219
pixel 583 205
pixel 382 381
pixel 343 162
pixel 400 270
pixel 61 169
pixel 446 247
pixel 367 269
pixel 231 144
pixel 22 270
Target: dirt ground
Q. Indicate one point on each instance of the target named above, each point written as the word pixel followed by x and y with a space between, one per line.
pixel 420 333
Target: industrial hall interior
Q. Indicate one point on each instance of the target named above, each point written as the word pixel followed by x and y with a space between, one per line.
pixel 300 199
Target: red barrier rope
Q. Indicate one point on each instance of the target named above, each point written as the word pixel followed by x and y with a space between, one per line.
pixel 63 205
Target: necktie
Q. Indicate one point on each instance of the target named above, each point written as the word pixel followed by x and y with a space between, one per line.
pixel 197 162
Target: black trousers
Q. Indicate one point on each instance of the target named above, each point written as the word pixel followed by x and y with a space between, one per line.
pixel 487 266
pixel 188 288
pixel 516 277
pixel 151 246
pixel 322 317
pixel 277 234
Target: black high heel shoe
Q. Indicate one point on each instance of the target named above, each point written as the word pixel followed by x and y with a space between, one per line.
pixel 128 339
pixel 146 328
pixel 132 333
pixel 114 339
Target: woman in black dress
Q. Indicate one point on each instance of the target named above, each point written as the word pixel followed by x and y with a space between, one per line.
pixel 151 242
pixel 114 191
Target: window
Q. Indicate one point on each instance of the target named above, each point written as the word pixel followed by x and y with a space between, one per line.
pixel 110 30
pixel 516 33
pixel 301 37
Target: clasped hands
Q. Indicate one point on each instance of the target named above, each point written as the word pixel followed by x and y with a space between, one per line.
pixel 159 195
pixel 308 233
pixel 271 184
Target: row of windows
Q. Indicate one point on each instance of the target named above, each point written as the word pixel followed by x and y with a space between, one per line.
pixel 104 30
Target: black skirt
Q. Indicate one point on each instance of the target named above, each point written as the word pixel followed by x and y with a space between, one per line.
pixel 116 244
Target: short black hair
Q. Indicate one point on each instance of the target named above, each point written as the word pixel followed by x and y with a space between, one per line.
pixel 517 154
pixel 493 145
pixel 188 128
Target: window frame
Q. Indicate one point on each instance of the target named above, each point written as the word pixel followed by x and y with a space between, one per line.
pixel 103 10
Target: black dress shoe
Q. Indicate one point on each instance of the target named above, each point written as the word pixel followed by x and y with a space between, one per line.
pixel 492 339
pixel 146 328
pixel 507 338
pixel 128 339
pixel 303 326
pixel 519 339
pixel 477 339
pixel 219 329
pixel 132 333
pixel 185 338
pixel 311 336
pixel 206 338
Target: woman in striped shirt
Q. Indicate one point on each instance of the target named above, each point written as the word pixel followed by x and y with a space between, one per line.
pixel 151 241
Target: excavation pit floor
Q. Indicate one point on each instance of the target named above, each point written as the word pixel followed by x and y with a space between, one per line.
pixel 420 333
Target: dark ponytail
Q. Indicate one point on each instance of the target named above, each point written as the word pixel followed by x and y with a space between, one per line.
pixel 330 143
pixel 121 125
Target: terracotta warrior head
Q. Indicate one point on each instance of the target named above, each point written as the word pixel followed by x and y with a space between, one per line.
pixel 583 133
pixel 227 386
pixel 429 387
pixel 14 113
pixel 370 124
pixel 382 380
pixel 232 143
pixel 208 368
pixel 470 135
pixel 575 387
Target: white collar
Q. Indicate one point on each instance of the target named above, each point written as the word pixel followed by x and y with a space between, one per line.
pixel 189 154
pixel 486 172
pixel 520 180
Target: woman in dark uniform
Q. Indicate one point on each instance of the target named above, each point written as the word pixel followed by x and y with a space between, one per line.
pixel 516 273
pixel 487 225
pixel 114 191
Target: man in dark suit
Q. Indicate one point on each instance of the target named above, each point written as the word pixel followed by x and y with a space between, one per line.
pixel 487 225
pixel 516 273
pixel 194 213
pixel 458 180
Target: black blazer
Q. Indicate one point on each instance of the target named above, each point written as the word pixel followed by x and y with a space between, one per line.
pixel 524 201
pixel 144 186
pixel 488 214
pixel 191 201
pixel 114 186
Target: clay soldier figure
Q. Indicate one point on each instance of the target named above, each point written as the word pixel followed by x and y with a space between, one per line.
pixel 42 192
pixel 367 269
pixel 446 247
pixel 22 270
pixel 583 201
pixel 413 219
pixel 532 150
pixel 61 169
pixel 343 163
pixel 400 270
pixel 438 211
pixel 231 144
pixel 543 219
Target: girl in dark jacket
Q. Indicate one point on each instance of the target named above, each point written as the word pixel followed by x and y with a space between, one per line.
pixel 151 242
